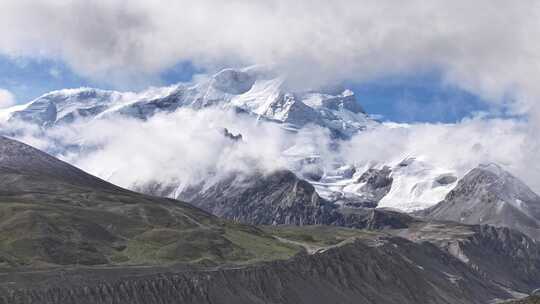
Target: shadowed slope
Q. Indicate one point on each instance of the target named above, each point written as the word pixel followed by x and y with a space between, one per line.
pixel 52 213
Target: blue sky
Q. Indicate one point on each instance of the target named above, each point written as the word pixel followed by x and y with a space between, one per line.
pixel 405 98
pixel 417 98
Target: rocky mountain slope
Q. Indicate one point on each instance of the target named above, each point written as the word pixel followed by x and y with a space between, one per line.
pixel 276 198
pixel 507 257
pixel 69 238
pixel 54 214
pixel 490 195
pixel 528 300
pixel 395 271
pixel 280 198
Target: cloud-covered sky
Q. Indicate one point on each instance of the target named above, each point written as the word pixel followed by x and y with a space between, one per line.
pixel 488 47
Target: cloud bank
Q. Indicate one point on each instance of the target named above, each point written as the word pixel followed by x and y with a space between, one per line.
pixel 188 147
pixel 6 98
pixel 181 148
pixel 488 47
pixel 456 147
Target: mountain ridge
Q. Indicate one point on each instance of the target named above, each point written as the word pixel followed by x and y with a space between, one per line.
pixel 490 195
pixel 253 89
pixel 260 95
pixel 66 242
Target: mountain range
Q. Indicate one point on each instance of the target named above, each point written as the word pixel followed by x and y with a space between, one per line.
pixel 317 229
pixel 261 95
pixel 409 185
pixel 253 90
pixel 68 237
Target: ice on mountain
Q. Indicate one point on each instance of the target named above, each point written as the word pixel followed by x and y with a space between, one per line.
pixel 42 112
pixel 413 189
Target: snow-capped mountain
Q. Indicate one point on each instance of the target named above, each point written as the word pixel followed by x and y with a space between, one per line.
pixel 418 185
pixel 490 195
pixel 405 184
pixel 254 90
pixel 486 195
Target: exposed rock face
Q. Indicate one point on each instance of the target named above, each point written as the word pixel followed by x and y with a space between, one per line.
pixel 513 259
pixel 276 198
pixel 379 219
pixel 529 300
pixel 281 198
pixel 506 257
pixel 347 102
pixel 375 185
pixel 490 195
pixel 43 113
pixel 233 137
pixel 392 271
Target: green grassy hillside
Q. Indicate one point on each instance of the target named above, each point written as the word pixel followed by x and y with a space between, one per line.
pixel 54 214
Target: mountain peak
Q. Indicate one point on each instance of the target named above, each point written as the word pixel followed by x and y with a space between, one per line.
pixel 488 194
pixel 257 90
pixel 17 158
pixel 497 180
pixel 233 81
pixel 493 168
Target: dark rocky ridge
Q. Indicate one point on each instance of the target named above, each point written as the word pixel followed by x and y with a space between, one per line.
pixel 490 195
pixel 377 183
pixel 23 160
pixel 518 254
pixel 54 214
pixel 281 198
pixel 528 300
pixel 263 199
pixel 504 256
pixel 395 271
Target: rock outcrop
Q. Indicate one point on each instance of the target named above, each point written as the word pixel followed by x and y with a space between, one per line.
pixel 490 195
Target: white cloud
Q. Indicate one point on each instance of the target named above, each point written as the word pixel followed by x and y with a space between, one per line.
pixel 458 147
pixel 185 147
pixel 55 72
pixel 485 46
pixel 7 99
